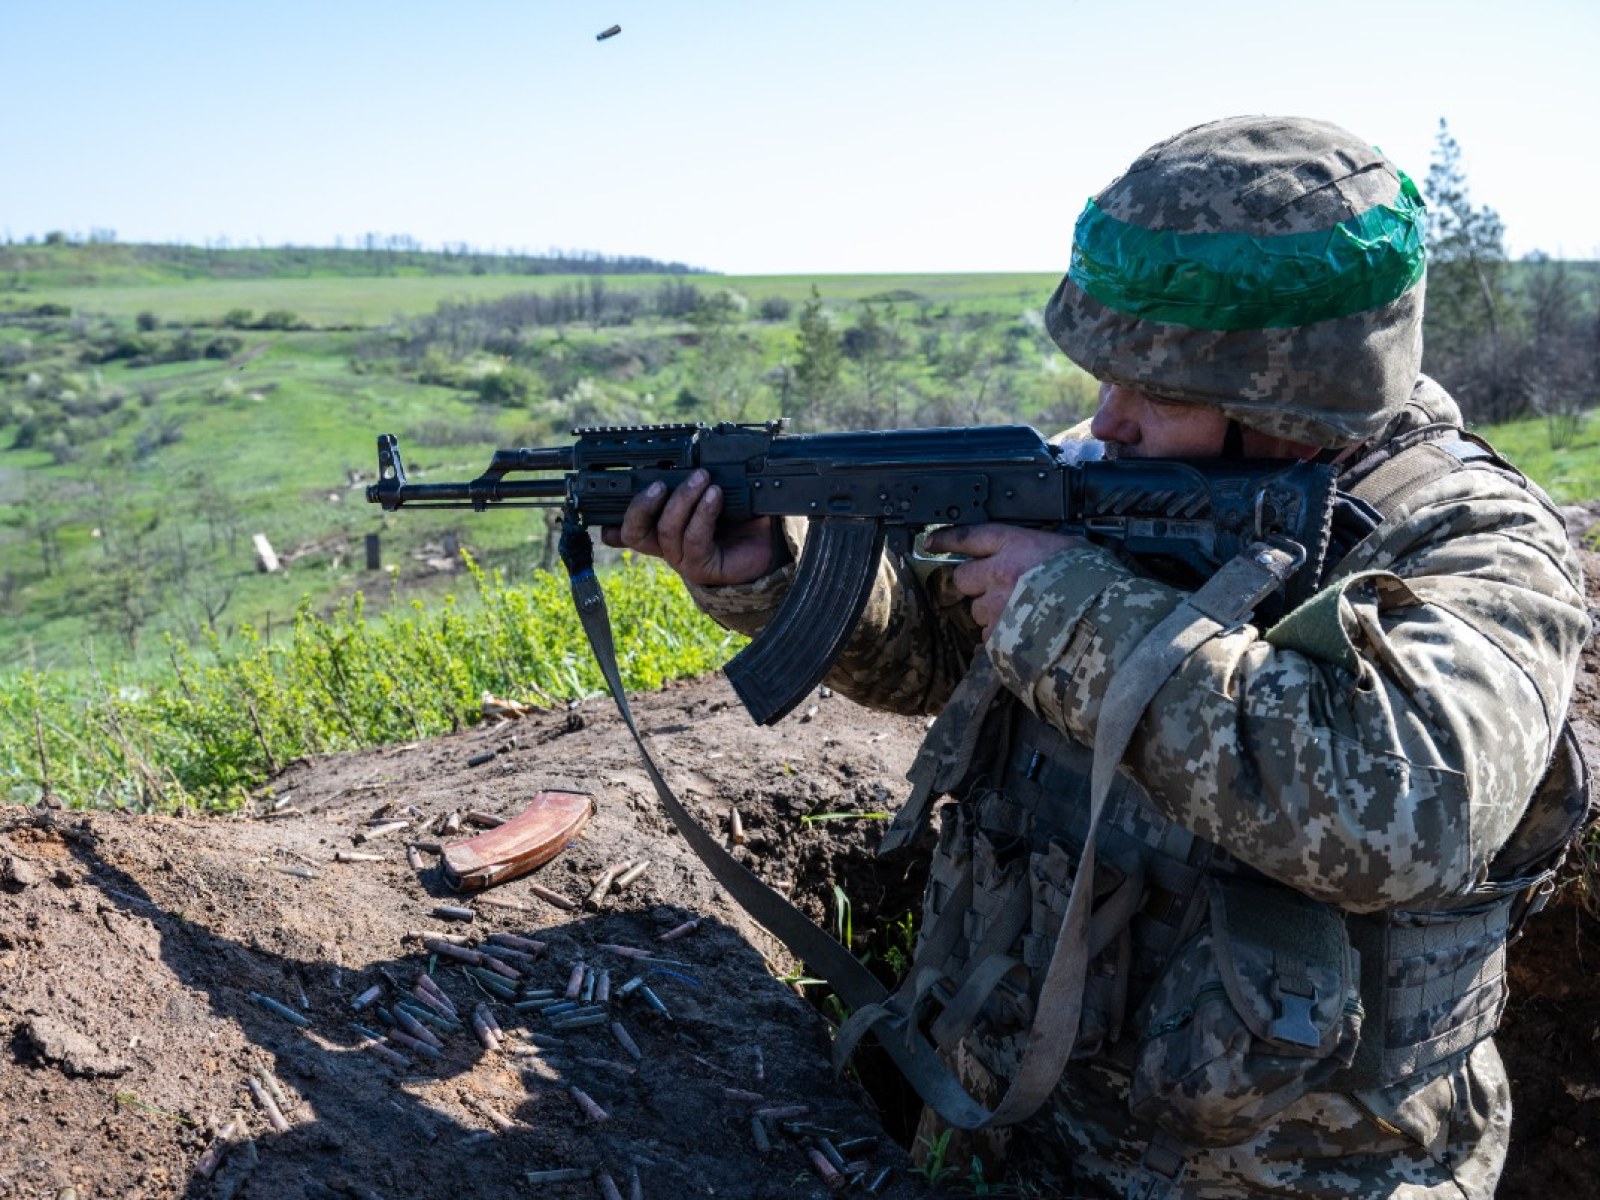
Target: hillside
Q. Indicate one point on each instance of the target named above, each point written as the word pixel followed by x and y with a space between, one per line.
pixel 60 262
pixel 149 430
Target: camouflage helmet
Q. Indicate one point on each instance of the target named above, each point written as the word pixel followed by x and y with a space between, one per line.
pixel 1269 267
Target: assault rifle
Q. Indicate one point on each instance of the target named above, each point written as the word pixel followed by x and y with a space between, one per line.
pixel 866 490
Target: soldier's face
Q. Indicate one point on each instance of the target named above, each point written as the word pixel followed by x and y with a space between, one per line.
pixel 1135 424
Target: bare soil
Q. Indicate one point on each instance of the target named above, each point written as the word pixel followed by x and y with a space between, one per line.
pixel 132 948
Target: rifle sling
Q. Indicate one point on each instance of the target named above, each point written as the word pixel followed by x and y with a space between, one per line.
pixel 858 987
pixel 1226 599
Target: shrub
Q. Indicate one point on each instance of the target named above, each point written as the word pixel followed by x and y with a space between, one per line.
pixel 224 345
pixel 280 318
pixel 508 387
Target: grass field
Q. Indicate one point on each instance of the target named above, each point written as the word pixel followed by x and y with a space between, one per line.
pixel 350 301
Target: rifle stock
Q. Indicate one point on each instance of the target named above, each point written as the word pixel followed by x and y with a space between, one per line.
pixel 1185 517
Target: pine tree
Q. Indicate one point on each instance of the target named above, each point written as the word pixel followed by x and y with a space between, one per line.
pixel 1466 311
pixel 818 362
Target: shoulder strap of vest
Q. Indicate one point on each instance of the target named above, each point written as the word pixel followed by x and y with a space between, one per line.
pixel 1388 476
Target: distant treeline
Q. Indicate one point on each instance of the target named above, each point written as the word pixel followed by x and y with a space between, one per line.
pixel 61 259
pixel 463 327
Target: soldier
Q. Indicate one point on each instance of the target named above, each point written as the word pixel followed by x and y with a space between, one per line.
pixel 1324 825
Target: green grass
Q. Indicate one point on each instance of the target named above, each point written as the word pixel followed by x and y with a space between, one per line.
pixel 211 724
pixel 324 302
pixel 373 301
pixel 1569 473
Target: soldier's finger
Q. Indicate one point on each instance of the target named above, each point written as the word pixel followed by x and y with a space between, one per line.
pixel 675 515
pixel 973 577
pixel 700 550
pixel 638 528
pixel 977 540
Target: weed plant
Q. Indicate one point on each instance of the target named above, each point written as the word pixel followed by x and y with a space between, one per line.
pixel 214 726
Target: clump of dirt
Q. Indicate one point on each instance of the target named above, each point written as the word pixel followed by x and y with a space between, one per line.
pixel 155 973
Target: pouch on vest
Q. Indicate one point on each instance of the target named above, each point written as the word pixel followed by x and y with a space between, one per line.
pixel 1564 805
pixel 1260 1007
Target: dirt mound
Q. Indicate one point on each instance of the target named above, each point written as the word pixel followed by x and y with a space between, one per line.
pixel 133 950
pixel 156 973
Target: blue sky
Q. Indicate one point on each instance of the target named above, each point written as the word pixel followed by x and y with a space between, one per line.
pixel 943 135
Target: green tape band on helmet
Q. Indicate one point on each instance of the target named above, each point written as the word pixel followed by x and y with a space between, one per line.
pixel 1230 281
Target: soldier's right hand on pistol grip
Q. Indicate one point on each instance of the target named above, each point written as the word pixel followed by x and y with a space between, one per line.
pixel 680 528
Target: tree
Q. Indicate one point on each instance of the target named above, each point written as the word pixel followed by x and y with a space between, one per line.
pixel 1466 310
pixel 725 371
pixel 818 360
pixel 1556 361
pixel 876 347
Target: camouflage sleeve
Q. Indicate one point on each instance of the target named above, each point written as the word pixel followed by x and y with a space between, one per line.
pixel 1377 746
pixel 911 646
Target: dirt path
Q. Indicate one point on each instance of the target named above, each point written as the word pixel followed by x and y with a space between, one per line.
pixel 132 947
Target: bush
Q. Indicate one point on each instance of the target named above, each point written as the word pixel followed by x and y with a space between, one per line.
pixel 238 318
pixel 280 318
pixel 775 308
pixel 147 322
pixel 508 387
pixel 123 346
pixel 224 345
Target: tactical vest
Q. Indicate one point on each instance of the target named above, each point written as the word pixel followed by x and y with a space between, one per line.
pixel 1422 988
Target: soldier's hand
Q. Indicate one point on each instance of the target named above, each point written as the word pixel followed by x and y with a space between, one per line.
pixel 680 528
pixel 997 556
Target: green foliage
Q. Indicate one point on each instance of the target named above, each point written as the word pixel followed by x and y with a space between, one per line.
pixel 934 1167
pixel 508 387
pixel 899 937
pixel 218 721
pixel 279 318
pixel 1568 467
pixel 843 929
pixel 819 360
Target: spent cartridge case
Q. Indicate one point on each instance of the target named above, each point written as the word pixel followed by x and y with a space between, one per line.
pixel 275 1118
pixel 625 1040
pixel 586 1102
pixel 550 897
pixel 366 997
pixel 631 876
pixel 526 945
pixel 283 1010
